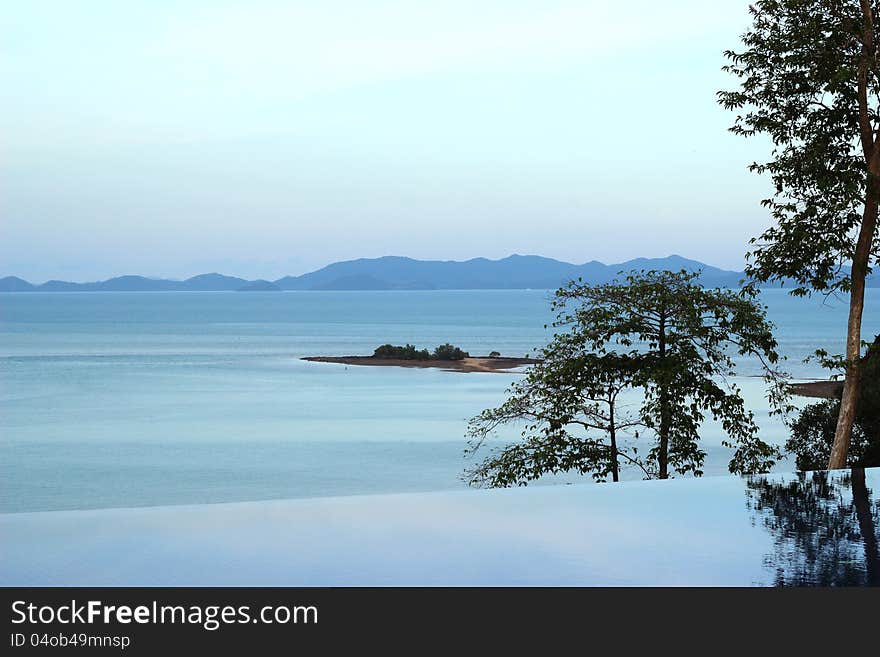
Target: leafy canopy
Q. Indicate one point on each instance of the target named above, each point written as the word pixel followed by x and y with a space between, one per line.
pixel 799 84
pixel 571 420
pixel 658 334
pixel 409 352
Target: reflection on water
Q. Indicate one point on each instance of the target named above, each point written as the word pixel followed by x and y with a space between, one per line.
pixel 824 527
pixel 813 529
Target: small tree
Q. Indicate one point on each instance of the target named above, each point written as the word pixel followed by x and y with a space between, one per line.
pixel 810 80
pixel 568 406
pixel 449 352
pixel 657 332
pixel 407 352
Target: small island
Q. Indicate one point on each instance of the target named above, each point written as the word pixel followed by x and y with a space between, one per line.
pixel 447 357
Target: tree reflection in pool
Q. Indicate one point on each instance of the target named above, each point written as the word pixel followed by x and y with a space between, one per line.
pixel 824 527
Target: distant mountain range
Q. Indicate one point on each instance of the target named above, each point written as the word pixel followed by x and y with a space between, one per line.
pixel 398 273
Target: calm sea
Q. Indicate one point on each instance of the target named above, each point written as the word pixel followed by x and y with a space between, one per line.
pixel 133 399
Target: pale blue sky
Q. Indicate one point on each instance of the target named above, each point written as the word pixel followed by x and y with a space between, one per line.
pixel 263 138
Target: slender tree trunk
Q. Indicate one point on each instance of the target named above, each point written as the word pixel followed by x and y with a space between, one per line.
pixel 849 401
pixel 663 456
pixel 867 528
pixel 612 435
pixel 861 257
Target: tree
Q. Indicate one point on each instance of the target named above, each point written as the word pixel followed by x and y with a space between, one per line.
pixel 659 333
pixel 568 403
pixel 449 352
pixel 812 433
pixel 407 352
pixel 810 80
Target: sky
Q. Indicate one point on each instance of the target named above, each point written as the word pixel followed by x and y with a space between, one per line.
pixel 262 138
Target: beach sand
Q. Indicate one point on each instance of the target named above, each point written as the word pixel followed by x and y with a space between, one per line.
pixel 501 364
pixel 818 389
pixel 505 364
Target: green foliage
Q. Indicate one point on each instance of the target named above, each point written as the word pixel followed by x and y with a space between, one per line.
pixel 812 433
pixel 567 405
pixel 449 352
pixel 408 352
pixel 799 76
pixel 658 333
pixel 494 354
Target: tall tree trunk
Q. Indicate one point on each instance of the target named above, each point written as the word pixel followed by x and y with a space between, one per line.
pixel 663 456
pixel 849 401
pixel 861 257
pixel 867 528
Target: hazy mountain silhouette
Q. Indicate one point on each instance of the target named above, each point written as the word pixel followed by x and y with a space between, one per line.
pixel 259 286
pixel 215 282
pixel 513 272
pixel 399 273
pixel 15 284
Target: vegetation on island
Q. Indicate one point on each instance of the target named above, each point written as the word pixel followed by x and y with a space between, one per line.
pixel 809 79
pixel 658 333
pixel 409 352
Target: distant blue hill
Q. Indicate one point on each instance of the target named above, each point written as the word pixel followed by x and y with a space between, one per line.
pixel 514 272
pixel 15 284
pixel 218 282
pixel 399 273
pixel 259 286
pixel 204 282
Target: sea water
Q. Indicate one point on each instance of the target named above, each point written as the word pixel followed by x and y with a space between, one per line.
pixel 137 399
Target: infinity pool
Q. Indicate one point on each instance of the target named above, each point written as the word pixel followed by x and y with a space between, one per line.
pixel 781 529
